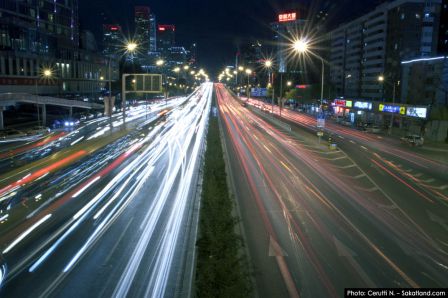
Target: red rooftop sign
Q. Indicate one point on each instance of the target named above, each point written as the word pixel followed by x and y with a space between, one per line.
pixel 287 17
pixel 167 28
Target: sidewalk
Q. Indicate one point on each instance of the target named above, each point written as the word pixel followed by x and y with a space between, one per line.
pixel 437 151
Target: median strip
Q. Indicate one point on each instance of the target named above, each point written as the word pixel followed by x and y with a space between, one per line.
pixel 221 271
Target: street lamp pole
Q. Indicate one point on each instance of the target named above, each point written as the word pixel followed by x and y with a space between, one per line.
pixel 280 102
pixel 393 102
pixel 248 72
pixel 248 88
pixel 37 102
pixel 322 83
pixel 110 94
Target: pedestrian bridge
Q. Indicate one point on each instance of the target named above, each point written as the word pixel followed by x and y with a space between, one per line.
pixel 11 99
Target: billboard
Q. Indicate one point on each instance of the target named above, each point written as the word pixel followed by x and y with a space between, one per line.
pixel 287 17
pixel 363 105
pixel 392 109
pixel 343 103
pixel 339 102
pixel 417 112
pixel 259 92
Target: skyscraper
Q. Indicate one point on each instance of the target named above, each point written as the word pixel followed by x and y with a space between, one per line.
pixel 289 24
pixel 40 35
pixel 152 33
pixel 165 38
pixel 142 28
pixel 111 38
pixel 375 44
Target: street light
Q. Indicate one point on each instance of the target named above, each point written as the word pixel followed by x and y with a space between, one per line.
pixel 268 63
pixel 302 46
pixel 186 67
pixel 131 47
pixel 160 62
pixel 46 73
pixel 248 72
pixel 289 84
pixel 395 84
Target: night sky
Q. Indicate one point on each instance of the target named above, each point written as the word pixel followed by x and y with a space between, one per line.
pixel 218 27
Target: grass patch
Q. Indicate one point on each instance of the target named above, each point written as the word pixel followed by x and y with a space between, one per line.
pixel 221 270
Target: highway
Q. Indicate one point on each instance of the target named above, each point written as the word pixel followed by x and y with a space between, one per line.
pixel 316 221
pixel 108 212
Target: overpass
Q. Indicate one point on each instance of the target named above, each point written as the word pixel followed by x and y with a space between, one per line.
pixel 11 99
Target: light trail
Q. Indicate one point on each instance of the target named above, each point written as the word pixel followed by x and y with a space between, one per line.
pixel 291 172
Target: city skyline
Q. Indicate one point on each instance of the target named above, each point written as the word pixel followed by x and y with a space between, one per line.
pixel 257 148
pixel 217 28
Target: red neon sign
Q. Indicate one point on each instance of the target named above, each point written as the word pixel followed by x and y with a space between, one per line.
pixel 113 28
pixel 302 86
pixel 287 17
pixel 339 102
pixel 167 27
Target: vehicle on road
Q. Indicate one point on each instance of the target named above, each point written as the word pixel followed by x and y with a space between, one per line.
pixel 66 123
pixel 413 140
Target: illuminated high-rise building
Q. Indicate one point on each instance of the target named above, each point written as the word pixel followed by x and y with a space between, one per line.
pixel 165 38
pixel 112 37
pixel 152 33
pixel 44 34
pixel 142 28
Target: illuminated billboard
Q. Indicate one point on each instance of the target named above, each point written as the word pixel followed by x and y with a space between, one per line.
pixel 417 112
pixel 363 105
pixel 339 102
pixel 343 103
pixel 392 109
pixel 287 17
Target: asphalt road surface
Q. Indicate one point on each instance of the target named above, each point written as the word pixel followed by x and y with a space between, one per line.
pixel 113 215
pixel 316 221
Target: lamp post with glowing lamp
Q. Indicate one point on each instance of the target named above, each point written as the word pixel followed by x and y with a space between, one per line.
pixel 301 46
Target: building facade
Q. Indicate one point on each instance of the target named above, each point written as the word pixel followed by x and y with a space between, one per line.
pixel 152 33
pixel 142 19
pixel 425 81
pixel 166 37
pixel 112 39
pixel 285 29
pixel 44 35
pixel 374 45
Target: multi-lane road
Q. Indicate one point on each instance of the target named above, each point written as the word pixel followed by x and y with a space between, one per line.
pixel 316 221
pixel 109 209
pixel 106 209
